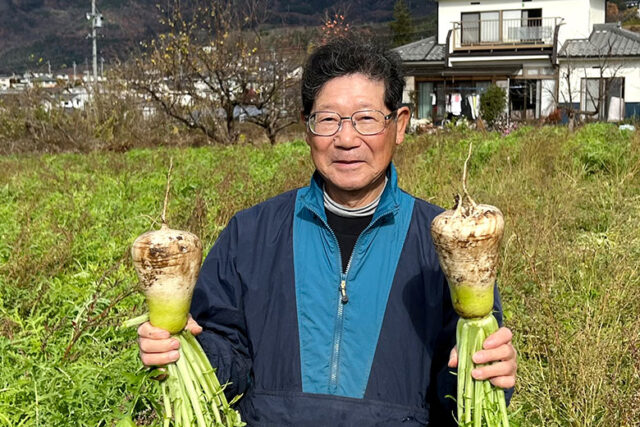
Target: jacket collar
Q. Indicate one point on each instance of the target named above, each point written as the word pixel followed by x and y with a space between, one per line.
pixel 389 201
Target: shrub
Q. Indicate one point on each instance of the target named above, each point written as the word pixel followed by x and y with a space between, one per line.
pixel 492 104
pixel 603 148
pixel 34 121
pixel 554 117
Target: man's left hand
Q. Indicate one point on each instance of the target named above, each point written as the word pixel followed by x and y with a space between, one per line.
pixel 499 355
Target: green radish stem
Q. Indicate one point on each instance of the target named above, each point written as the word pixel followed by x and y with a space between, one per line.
pixel 467 381
pixel 479 403
pixel 167 405
pixel 489 395
pixel 201 381
pixel 191 393
pixel 185 375
pixel 503 408
pixel 206 376
pixel 461 336
pixel 136 321
pixel 478 388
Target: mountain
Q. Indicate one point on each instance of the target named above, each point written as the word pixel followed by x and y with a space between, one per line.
pixel 56 31
pixel 33 32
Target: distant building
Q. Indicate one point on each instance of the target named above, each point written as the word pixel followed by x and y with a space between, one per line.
pixel 5 82
pixel 21 82
pixel 45 81
pixel 74 98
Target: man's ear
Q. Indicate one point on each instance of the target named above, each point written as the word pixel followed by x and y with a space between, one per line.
pixel 402 120
pixel 307 134
pixel 306 131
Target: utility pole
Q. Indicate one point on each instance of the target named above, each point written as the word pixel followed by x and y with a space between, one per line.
pixel 95 19
pixel 74 73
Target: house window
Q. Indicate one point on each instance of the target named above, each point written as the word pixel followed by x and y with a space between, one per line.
pixel 532 17
pixel 470 28
pixel 603 97
pixel 589 95
pixel 458 99
pixel 490 26
pixel 523 99
pixel 480 27
pixel 524 26
pixel 426 99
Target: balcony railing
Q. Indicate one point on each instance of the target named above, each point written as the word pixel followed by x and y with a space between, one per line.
pixel 504 33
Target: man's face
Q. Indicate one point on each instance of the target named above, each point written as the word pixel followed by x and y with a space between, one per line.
pixel 348 161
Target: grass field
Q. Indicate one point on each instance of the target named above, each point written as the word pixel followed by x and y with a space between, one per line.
pixel 569 275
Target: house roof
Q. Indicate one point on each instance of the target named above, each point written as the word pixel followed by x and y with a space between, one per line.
pixel 421 50
pixel 605 40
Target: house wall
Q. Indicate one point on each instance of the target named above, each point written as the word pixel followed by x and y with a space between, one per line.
pixel 598 12
pixel 547 97
pixel 579 15
pixel 409 87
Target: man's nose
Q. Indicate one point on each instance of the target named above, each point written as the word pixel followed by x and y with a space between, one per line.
pixel 347 136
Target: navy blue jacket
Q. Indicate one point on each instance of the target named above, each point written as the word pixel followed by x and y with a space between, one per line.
pixel 275 325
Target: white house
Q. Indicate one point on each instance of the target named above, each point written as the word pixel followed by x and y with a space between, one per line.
pixel 535 49
pixel 43 80
pixel 74 98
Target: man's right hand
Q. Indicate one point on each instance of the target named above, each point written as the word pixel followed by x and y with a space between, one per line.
pixel 157 347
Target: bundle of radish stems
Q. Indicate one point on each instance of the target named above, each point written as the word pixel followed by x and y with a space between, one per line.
pixel 467 240
pixel 168 262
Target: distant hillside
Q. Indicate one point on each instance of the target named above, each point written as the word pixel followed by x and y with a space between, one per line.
pixel 56 30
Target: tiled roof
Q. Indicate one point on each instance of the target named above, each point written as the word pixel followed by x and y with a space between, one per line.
pixel 436 54
pixel 422 50
pixel 605 40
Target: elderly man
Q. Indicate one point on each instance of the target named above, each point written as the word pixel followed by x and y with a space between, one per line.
pixel 326 305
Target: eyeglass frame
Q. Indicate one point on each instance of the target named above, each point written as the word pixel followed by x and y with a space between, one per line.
pixel 343 118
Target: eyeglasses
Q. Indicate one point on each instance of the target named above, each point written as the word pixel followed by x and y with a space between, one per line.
pixel 366 122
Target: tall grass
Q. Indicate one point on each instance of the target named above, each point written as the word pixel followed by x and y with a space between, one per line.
pixel 569 273
pixel 32 122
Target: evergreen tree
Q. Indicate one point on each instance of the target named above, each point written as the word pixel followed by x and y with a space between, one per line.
pixel 402 24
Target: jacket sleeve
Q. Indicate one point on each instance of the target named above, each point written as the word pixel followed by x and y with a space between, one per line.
pixel 442 391
pixel 217 306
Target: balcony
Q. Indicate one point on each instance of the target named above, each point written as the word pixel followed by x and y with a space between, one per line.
pixel 521 33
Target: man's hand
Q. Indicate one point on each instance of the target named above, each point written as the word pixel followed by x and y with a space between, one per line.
pixel 157 347
pixel 499 353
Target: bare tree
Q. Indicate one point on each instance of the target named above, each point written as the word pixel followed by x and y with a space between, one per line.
pixel 593 91
pixel 203 70
pixel 274 92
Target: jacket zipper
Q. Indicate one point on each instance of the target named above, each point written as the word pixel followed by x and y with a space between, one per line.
pixel 337 335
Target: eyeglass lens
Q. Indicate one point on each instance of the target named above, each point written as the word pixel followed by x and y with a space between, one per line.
pixel 367 122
